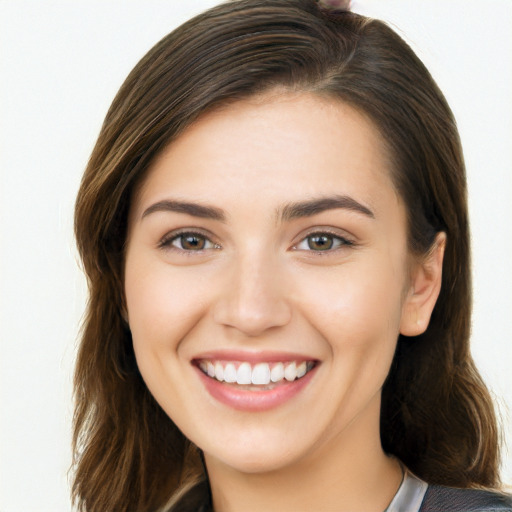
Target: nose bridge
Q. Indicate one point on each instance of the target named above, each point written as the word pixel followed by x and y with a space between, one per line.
pixel 254 298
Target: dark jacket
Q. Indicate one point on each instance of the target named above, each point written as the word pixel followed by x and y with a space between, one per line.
pixel 437 499
pixel 447 499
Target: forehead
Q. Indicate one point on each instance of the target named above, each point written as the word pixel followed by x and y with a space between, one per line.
pixel 275 146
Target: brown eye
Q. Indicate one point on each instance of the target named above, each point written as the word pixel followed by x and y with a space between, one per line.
pixel 321 242
pixel 190 242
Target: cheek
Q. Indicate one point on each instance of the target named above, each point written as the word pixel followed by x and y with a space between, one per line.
pixel 358 314
pixel 162 303
pixel 356 304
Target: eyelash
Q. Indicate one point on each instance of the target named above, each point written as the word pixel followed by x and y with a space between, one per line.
pixel 168 241
pixel 337 242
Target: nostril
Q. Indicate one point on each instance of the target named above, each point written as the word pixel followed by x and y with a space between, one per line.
pixel 253 320
pixel 252 309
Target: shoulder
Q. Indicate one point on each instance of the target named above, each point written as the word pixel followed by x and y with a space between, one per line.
pixel 447 499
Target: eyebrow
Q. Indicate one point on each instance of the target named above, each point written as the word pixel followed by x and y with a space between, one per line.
pixel 193 209
pixel 316 206
pixel 288 212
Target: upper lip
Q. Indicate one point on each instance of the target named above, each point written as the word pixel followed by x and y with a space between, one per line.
pixel 253 356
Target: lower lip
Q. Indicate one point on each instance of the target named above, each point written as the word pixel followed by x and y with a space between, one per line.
pixel 245 400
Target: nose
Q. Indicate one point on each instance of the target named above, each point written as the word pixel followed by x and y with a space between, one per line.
pixel 254 298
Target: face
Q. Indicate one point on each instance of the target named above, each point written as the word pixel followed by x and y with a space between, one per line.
pixel 266 280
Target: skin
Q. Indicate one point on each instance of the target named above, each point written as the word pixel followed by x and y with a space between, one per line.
pixel 258 285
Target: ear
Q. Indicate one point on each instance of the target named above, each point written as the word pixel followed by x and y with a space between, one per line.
pixel 424 288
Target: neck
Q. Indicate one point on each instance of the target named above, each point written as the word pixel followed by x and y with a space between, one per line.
pixel 350 472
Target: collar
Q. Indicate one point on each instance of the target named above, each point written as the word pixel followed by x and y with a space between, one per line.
pixel 410 494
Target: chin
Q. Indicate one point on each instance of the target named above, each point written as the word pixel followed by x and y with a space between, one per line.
pixel 261 451
pixel 254 461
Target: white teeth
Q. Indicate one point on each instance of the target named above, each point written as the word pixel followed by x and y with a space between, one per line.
pixel 230 373
pixel 261 374
pixel 302 369
pixel 277 373
pixel 243 374
pixel 290 371
pixel 219 372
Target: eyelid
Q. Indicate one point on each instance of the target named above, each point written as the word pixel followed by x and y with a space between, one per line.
pixel 166 241
pixel 346 239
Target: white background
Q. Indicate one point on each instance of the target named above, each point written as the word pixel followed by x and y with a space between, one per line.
pixel 61 64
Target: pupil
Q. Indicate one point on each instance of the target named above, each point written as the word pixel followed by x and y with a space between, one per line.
pixel 192 242
pixel 320 242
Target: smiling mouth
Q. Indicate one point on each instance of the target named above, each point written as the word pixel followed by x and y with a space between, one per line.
pixel 259 376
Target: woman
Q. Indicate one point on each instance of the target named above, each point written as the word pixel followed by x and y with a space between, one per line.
pixel 274 228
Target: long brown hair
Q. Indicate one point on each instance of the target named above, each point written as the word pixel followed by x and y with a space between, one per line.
pixel 437 415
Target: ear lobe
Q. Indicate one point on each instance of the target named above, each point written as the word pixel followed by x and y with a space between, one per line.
pixel 424 290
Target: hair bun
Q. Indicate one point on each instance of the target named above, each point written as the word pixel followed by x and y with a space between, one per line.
pixel 336 4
